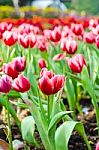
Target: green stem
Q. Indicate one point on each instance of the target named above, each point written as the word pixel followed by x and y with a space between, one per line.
pixel 9 126
pixel 48 109
pixel 8 53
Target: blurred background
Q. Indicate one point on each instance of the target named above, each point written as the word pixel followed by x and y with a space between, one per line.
pixel 29 8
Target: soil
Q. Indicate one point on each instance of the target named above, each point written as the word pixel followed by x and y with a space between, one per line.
pixel 76 142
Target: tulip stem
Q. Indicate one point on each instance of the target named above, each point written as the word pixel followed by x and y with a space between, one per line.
pixel 9 126
pixel 8 53
pixel 48 109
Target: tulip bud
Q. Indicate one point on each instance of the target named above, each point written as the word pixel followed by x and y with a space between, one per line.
pixel 21 84
pixel 24 40
pixel 44 71
pixel 41 43
pixel 10 70
pixel 5 84
pixel 76 63
pixel 97 146
pixel 55 34
pixel 77 29
pixel 32 40
pixel 69 45
pixel 97 41
pixel 50 83
pixel 9 38
pixel 42 63
pixel 59 57
pixel 19 63
pixel 89 37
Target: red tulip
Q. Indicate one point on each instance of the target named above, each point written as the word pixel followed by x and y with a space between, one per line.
pixel 66 31
pixel 59 57
pixel 41 43
pixel 69 45
pixel 77 29
pixel 55 34
pixel 41 63
pixel 19 63
pixel 97 146
pixel 51 84
pixel 44 71
pixel 10 70
pixel 93 23
pixel 5 84
pixel 21 84
pixel 97 41
pixel 32 40
pixel 24 40
pixel 5 26
pixel 76 63
pixel 89 37
pixel 9 38
pixel 47 33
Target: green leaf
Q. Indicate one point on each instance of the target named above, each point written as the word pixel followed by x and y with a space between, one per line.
pixel 27 129
pixel 64 132
pixel 56 119
pixel 14 94
pixel 70 93
pixel 53 123
pixel 86 82
pixel 33 82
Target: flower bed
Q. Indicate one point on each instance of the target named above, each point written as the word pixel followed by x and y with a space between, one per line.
pixel 49 83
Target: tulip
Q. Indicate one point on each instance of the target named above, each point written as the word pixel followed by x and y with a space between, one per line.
pixel 49 83
pixel 41 43
pixel 66 31
pixel 69 45
pixel 24 40
pixel 32 40
pixel 9 38
pixel 5 84
pixel 59 57
pixel 89 37
pixel 47 33
pixel 55 34
pixel 10 70
pixel 76 63
pixel 20 63
pixel 5 26
pixel 93 23
pixel 42 63
pixel 97 41
pixel 21 84
pixel 77 29
pixel 97 146
pixel 44 71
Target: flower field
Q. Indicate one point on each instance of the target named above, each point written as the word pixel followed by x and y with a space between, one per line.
pixel 49 83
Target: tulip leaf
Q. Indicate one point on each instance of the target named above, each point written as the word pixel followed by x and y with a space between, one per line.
pixel 70 93
pixel 33 82
pixel 64 132
pixel 53 123
pixel 56 119
pixel 14 94
pixel 27 129
pixel 86 82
